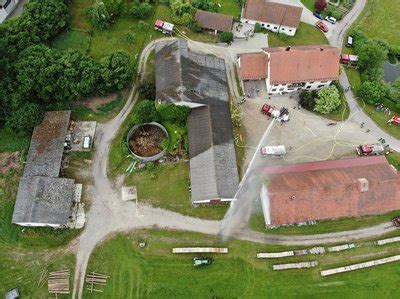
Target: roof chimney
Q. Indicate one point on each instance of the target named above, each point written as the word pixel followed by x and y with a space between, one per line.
pixel 363 185
pixel 288 48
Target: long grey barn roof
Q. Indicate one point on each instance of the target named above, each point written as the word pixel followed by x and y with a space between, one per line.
pixel 47 145
pixel 200 82
pixel 42 196
pixel 44 200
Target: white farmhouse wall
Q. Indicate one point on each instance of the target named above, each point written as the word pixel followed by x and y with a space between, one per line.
pixel 35 224
pixel 291 31
pixel 265 204
pixel 285 88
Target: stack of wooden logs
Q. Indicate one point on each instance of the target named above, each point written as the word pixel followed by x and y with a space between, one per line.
pixel 98 279
pixel 58 282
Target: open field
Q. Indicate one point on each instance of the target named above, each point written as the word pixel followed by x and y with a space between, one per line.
pixel 327 226
pixel 10 142
pixel 168 187
pixel 306 35
pixel 22 268
pixel 72 39
pixel 230 7
pixel 380 19
pixel 153 272
pixel 381 119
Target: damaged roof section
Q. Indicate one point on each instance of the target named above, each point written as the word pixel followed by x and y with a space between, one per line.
pixel 44 199
pixel 199 81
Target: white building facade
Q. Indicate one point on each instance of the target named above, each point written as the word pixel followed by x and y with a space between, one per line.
pixel 291 31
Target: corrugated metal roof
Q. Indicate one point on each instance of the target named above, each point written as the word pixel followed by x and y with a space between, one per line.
pixel 214 21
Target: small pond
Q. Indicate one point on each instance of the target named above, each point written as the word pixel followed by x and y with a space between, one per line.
pixel 390 71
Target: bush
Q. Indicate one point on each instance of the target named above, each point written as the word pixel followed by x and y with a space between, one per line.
pixel 328 100
pixel 257 27
pixel 129 37
pixel 99 16
pixel 226 37
pixel 173 113
pixel 142 11
pixel 207 5
pixel 116 71
pixel 320 5
pixel 147 90
pixel 145 112
pixel 373 92
pixel 306 99
pixel 184 20
pixel 195 27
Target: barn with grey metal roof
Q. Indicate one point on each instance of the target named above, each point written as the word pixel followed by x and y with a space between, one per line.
pixel 199 81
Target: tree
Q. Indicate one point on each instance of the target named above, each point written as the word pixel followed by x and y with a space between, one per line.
pixel 173 113
pixel 99 16
pixel 207 5
pixel 371 55
pixel 147 90
pixel 226 37
pixel 257 27
pixel 141 11
pixel 145 112
pixel 373 92
pixel 24 118
pixel 116 71
pixel 328 100
pixel 114 7
pixel 180 7
pixel 306 99
pixel 320 5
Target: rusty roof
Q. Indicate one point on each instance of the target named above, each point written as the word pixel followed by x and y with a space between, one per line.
pixel 303 64
pixel 253 66
pixel 328 174
pixel 271 12
pixel 212 20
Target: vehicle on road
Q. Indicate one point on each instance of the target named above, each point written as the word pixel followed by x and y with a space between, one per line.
pixel 332 124
pixel 273 151
pixel 202 261
pixel 370 149
pixel 396 221
pixel 164 27
pixel 395 120
pixel 349 59
pixel 331 20
pixel 319 15
pixel 281 115
pixel 321 25
pixel 349 42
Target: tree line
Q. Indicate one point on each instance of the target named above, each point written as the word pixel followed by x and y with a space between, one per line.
pixel 36 77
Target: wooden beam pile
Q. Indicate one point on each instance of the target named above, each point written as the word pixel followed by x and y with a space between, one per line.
pixel 58 282
pixel 98 279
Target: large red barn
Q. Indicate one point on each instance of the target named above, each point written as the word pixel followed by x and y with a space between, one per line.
pixel 329 189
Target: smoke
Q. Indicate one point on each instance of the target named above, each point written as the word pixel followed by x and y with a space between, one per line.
pixel 248 192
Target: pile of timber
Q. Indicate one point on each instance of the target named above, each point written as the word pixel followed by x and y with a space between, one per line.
pixel 199 250
pixel 97 279
pixel 58 282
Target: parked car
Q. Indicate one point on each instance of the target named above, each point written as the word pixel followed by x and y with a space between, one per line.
pixel 319 15
pixel 202 261
pixel 349 42
pixel 321 25
pixel 331 20
pixel 86 142
pixel 273 151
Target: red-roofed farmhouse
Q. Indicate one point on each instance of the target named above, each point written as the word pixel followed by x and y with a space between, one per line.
pixel 329 189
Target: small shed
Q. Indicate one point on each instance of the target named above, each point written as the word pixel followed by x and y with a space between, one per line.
pixel 212 21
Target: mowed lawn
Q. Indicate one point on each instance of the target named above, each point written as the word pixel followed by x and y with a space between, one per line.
pixel 154 272
pixel 230 7
pixel 306 35
pixel 72 39
pixel 381 19
pixel 168 187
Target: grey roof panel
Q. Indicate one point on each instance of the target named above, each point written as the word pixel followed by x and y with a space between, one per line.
pixel 44 200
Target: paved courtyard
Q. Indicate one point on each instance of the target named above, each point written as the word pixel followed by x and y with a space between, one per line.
pixel 307 136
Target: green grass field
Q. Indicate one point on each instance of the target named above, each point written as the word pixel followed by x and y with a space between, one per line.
pixel 77 10
pixel 154 272
pixel 306 35
pixel 327 226
pixel 230 7
pixel 309 4
pixel 11 142
pixel 168 187
pixel 72 39
pixel 380 19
